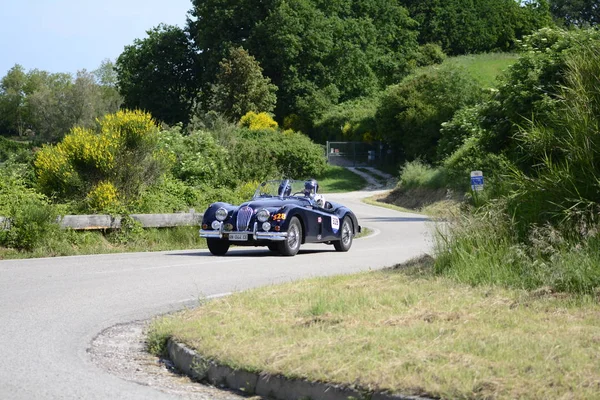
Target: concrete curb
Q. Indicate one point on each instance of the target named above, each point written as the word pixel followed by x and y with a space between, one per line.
pixel 264 385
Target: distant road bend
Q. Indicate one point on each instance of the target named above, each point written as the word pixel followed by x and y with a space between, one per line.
pixel 52 308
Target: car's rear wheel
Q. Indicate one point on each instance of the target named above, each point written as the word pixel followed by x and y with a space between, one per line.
pixel 217 247
pixel 291 245
pixel 347 235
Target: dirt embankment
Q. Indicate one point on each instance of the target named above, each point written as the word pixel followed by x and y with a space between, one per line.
pixel 430 201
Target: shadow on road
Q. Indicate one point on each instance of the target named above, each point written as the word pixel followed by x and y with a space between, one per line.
pixel 255 252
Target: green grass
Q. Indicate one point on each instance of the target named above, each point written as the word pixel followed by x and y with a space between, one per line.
pixel 339 180
pixel 70 243
pixel 485 67
pixel 406 332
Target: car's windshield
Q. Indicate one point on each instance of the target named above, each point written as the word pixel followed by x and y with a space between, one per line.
pixel 279 188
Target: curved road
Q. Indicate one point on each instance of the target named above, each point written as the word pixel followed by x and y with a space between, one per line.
pixel 52 308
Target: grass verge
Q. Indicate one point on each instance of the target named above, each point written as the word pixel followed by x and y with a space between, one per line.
pixel 71 243
pixel 339 180
pixel 402 330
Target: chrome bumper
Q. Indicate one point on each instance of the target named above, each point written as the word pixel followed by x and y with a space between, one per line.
pixel 254 234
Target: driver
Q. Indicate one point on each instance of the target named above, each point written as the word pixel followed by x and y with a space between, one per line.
pixel 285 189
pixel 311 187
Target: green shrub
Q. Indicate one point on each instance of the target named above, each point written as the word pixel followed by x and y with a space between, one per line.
pixel 562 178
pixel 122 151
pixel 471 156
pixel 259 155
pixel 169 195
pixel 429 54
pixel 32 218
pixel 353 120
pixel 416 174
pixel 197 157
pixel 16 151
pixel 486 249
pixel 411 114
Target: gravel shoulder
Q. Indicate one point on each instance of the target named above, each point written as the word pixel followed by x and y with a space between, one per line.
pixel 120 350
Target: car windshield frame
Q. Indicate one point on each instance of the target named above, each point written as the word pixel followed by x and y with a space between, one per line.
pixel 270 189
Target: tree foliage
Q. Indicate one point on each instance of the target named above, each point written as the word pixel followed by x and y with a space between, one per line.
pixel 411 114
pixel 475 26
pixel 241 87
pixel 314 52
pixel 578 13
pixel 158 74
pixel 46 105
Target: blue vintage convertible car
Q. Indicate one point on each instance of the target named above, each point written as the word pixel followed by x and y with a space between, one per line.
pixel 282 215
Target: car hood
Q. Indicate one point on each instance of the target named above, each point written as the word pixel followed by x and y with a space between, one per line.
pixel 273 202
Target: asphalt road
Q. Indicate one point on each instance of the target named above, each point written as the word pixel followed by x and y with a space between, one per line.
pixel 52 308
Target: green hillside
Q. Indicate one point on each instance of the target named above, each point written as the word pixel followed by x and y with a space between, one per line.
pixel 485 67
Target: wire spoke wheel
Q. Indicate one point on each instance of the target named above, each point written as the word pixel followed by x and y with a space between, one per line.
pixel 291 245
pixel 347 235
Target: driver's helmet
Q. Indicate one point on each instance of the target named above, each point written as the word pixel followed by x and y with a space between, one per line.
pixel 285 189
pixel 311 187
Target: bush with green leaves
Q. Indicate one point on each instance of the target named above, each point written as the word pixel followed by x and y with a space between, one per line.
pixel 197 157
pixel 416 174
pixel 13 150
pixel 259 155
pixel 32 218
pixel 562 181
pixel 122 153
pixel 353 120
pixel 531 87
pixel 411 114
pixel 542 228
pixel 429 54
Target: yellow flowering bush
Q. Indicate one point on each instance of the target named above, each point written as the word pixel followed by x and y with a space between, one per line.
pixel 103 197
pixel 257 122
pixel 121 152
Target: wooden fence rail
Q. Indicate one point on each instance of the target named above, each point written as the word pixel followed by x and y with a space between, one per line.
pixel 91 222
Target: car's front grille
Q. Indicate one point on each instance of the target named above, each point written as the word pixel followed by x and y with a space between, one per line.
pixel 243 218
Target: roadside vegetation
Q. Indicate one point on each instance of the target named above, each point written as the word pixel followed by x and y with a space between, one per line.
pixel 508 306
pixel 402 330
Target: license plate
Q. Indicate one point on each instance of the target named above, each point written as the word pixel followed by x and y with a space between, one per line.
pixel 238 236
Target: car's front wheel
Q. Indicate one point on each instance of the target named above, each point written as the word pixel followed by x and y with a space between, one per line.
pixel 291 245
pixel 217 247
pixel 347 235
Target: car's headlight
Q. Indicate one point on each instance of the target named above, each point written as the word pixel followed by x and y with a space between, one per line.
pixel 221 214
pixel 216 225
pixel 262 215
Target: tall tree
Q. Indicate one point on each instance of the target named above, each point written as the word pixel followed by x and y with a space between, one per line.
pixel 158 74
pixel 12 101
pixel 314 51
pixel 107 78
pixel 241 87
pixel 576 12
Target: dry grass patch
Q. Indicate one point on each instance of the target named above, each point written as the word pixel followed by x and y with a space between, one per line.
pixel 405 332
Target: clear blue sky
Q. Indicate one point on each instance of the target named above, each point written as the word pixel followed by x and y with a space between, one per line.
pixel 70 35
